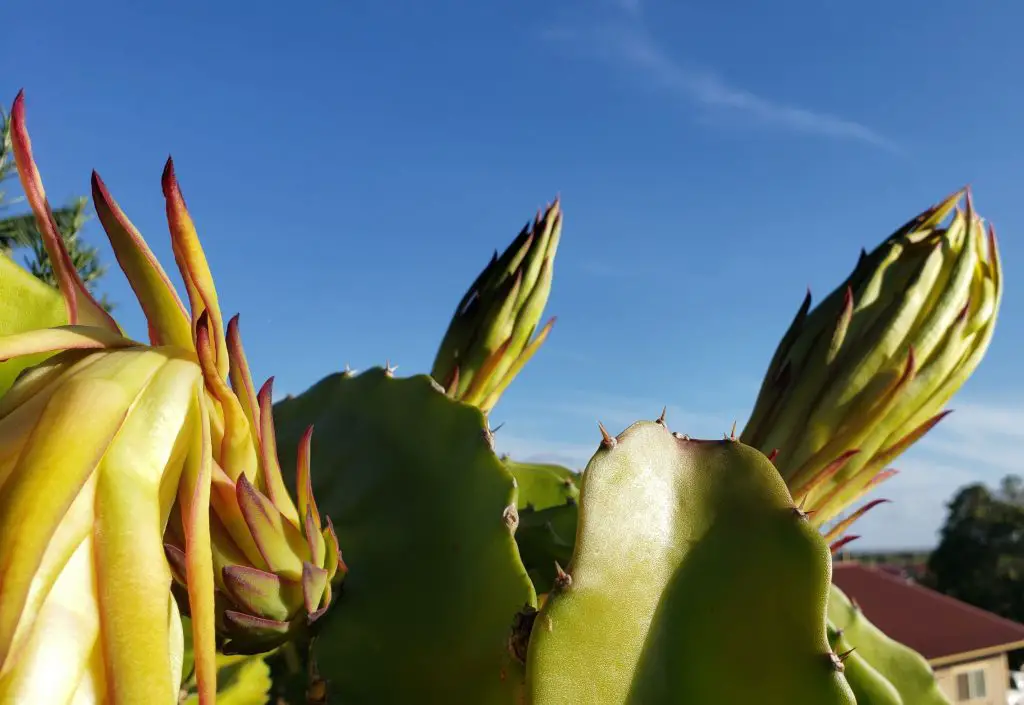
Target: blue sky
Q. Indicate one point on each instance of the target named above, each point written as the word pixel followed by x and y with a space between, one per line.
pixel 351 166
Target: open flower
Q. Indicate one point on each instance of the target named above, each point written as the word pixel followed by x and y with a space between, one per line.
pixel 116 455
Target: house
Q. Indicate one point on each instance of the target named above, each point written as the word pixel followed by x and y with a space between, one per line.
pixel 966 646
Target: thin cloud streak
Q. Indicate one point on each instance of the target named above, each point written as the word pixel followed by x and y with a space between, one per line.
pixel 620 43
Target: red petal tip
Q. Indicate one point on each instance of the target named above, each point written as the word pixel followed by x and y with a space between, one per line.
pixel 267 389
pixel 18 108
pixel 168 180
pixel 836 546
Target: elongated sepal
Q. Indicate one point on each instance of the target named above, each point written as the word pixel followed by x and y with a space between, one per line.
pixel 928 294
pixel 835 532
pixel 70 337
pixel 314 584
pixel 491 336
pixel 166 315
pixel 82 308
pixel 261 593
pixel 272 479
pixel 269 527
pixel 257 634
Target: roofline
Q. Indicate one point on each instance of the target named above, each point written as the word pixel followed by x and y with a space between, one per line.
pixel 952 659
pixel 965 606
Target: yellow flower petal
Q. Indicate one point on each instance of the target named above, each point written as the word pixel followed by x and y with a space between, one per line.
pixel 131 570
pixel 52 661
pixel 48 340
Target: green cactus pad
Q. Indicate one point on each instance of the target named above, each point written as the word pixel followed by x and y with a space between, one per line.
pixel 868 685
pixel 26 303
pixel 543 485
pixel 546 538
pixel 694 579
pixel 425 513
pixel 906 669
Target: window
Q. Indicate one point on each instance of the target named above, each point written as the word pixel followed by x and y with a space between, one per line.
pixel 970 685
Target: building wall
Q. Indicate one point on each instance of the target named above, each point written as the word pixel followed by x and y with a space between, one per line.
pixel 997 679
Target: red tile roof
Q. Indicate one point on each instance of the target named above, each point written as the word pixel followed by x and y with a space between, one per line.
pixel 933 624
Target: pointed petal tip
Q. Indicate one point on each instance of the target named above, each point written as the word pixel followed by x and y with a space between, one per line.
pixel 267 389
pixel 18 107
pixel 169 180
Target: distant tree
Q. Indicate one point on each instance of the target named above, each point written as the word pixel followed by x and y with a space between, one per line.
pixel 980 557
pixel 20 233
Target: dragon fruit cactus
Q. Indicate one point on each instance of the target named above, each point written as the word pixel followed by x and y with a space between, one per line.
pixel 125 466
pixel 491 336
pixel 865 374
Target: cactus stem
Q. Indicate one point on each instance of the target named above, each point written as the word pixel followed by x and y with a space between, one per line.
pixel 607 440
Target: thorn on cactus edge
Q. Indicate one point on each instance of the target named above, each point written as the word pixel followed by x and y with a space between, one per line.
pixel 348 371
pixel 562 579
pixel 800 511
pixel 773 455
pixel 607 440
pixel 661 419
pixel 489 438
pixel 838 660
pixel 680 436
pixel 732 433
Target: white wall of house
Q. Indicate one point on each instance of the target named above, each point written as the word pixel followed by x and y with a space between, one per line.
pixel 978 682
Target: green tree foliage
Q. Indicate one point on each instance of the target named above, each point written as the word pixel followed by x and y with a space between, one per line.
pixel 980 558
pixel 18 232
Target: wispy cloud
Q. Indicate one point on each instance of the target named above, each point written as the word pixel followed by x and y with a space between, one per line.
pixel 627 42
pixel 979 442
